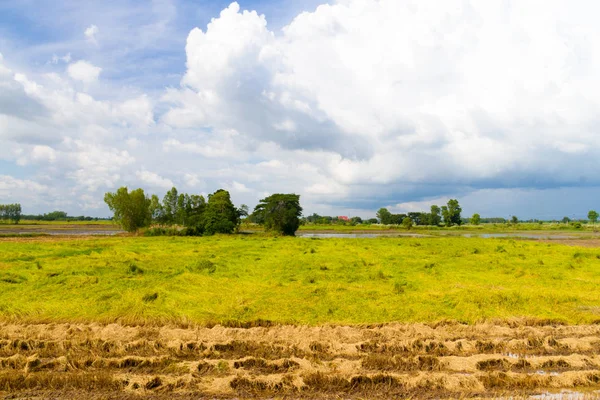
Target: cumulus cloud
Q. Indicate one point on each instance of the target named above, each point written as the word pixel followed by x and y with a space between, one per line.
pixel 84 72
pixel 468 92
pixel 154 180
pixel 357 104
pixel 91 32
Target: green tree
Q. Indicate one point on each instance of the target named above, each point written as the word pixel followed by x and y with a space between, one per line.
pixel 156 209
pixel 451 213
pixel 170 207
pixel 281 213
pixel 131 209
pixel 514 219
pixel 220 215
pixel 407 223
pixel 435 218
pixel 593 216
pixel 356 220
pixel 475 219
pixel 384 216
pixel 195 207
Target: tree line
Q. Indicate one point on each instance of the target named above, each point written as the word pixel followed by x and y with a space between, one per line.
pixel 200 216
pixel 450 215
pixel 10 212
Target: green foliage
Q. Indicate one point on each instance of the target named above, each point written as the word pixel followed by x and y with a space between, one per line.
pixel 384 216
pixel 435 218
pixel 407 223
pixel 475 219
pixel 10 212
pixel 131 209
pixel 514 219
pixel 220 215
pixel 451 213
pixel 593 216
pixel 280 213
pixel 365 281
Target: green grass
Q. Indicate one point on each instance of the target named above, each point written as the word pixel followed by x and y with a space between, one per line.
pixel 294 280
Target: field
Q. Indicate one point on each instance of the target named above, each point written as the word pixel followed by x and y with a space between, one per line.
pixel 260 316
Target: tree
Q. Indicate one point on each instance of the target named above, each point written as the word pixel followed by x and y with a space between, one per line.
pixel 384 216
pixel 566 220
pixel 356 220
pixel 514 219
pixel 131 209
pixel 593 216
pixel 407 223
pixel 10 212
pixel 220 215
pixel 281 213
pixel 475 219
pixel 170 206
pixel 156 210
pixel 451 213
pixel 435 218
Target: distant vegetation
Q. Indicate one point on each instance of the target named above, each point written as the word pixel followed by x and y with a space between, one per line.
pixel 10 213
pixel 134 210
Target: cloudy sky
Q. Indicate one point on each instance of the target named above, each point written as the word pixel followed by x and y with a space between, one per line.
pixel 354 104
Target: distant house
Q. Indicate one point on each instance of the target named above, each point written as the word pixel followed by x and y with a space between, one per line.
pixel 343 218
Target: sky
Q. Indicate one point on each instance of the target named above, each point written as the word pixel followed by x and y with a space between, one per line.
pixel 353 104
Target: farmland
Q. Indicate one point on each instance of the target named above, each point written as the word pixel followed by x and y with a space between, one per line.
pixel 263 316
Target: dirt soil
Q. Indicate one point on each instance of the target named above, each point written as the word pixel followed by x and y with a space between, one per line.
pixel 389 361
pixel 576 242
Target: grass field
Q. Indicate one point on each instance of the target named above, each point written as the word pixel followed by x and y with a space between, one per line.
pixel 253 316
pixel 246 278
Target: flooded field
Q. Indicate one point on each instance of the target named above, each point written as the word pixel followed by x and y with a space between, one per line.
pixel 397 360
pixel 61 229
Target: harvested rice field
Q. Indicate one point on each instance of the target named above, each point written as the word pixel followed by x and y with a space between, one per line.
pixel 449 360
pixel 254 316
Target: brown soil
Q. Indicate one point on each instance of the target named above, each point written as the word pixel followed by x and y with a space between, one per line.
pixel 445 361
pixel 575 242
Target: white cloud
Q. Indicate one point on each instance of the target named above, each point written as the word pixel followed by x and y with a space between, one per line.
pixel 41 153
pixel 359 104
pixel 193 180
pixel 84 71
pixel 154 180
pixel 90 33
pixel 56 59
pixel 240 188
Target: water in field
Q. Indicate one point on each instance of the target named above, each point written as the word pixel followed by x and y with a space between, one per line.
pixel 356 235
pixel 517 235
pixel 418 235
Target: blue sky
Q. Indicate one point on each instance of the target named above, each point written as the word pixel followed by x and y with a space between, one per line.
pixel 354 104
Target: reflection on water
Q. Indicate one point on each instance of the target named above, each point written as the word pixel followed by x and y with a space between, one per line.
pixel 64 232
pixel 418 235
pixel 517 235
pixel 356 235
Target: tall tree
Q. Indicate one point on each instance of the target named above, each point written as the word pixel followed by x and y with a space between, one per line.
pixel 384 216
pixel 10 213
pixel 131 209
pixel 451 213
pixel 475 219
pixel 281 213
pixel 220 215
pixel 593 216
pixel 435 218
pixel 170 206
